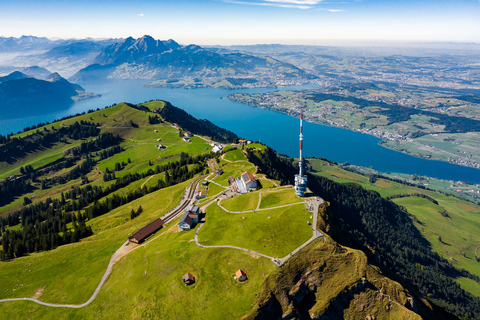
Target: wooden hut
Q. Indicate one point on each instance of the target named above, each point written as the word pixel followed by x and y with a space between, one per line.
pixel 188 279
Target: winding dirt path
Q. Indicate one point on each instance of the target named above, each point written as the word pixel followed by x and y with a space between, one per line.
pixel 141 187
pixel 277 261
pixel 122 251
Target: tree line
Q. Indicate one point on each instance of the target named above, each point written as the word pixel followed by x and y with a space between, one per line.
pixel 17 148
pixel 52 215
pixel 47 235
pixel 364 220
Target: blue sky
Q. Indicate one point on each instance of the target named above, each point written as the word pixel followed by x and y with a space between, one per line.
pixel 246 21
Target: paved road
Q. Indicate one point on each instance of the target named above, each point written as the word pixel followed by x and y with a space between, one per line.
pixel 282 206
pixel 277 261
pixel 76 306
pixel 188 197
pixel 226 246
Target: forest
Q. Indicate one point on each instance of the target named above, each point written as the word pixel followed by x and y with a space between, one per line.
pixel 44 224
pixel 187 122
pixel 386 233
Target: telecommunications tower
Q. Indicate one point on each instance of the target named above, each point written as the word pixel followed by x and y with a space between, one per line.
pixel 300 178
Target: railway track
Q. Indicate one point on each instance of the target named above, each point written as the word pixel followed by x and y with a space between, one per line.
pixel 186 201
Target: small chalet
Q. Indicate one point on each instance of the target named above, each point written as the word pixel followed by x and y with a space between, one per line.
pixel 187 134
pixel 242 142
pixel 161 147
pixel 189 218
pixel 219 172
pixel 145 232
pixel 186 139
pixel 240 275
pixel 188 279
pixel 205 183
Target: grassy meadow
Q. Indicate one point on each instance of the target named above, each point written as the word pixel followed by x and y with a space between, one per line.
pixel 451 227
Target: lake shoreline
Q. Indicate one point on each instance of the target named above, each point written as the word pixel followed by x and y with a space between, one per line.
pixel 275 129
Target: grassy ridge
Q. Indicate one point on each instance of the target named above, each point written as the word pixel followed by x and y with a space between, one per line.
pixel 235 155
pixel 248 201
pixel 458 230
pixel 274 232
pixel 332 281
pixel 63 271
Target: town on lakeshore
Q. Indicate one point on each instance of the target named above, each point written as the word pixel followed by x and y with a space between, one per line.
pixel 250 160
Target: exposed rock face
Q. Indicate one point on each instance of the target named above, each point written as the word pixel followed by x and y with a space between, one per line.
pixel 330 282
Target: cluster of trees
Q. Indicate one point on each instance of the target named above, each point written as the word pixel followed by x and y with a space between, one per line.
pixel 4 139
pixel 134 214
pixel 396 113
pixel 55 213
pixel 363 219
pixel 28 168
pixel 420 195
pixel 154 119
pixel 103 141
pixel 107 153
pixel 18 148
pixel 178 174
pixel 9 189
pixel 78 171
pixel 54 166
pixel 109 175
pixel 201 127
pixel 47 235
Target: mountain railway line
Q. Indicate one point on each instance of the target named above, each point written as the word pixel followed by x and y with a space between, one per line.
pixel 186 200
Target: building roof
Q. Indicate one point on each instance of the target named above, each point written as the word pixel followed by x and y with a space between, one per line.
pixel 188 220
pixel 194 209
pixel 147 230
pixel 240 273
pixel 247 177
pixel 188 276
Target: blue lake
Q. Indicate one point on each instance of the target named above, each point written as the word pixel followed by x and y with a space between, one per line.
pixel 277 130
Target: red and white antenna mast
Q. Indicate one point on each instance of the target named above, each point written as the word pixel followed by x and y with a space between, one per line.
pixel 300 160
pixel 300 179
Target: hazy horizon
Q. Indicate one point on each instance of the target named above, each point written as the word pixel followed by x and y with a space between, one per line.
pixel 235 22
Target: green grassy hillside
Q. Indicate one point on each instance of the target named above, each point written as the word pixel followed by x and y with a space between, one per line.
pixel 451 226
pixel 146 281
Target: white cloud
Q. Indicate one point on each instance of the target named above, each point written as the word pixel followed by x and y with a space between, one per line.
pixel 335 10
pixel 296 4
pixel 140 14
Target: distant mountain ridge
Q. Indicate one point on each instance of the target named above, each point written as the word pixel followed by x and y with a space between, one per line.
pixel 25 43
pixel 64 56
pixel 151 59
pixel 22 95
pixel 131 50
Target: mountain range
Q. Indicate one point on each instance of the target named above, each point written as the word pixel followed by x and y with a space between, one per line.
pixel 22 94
pixel 157 60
